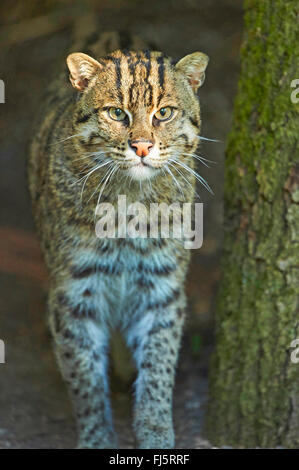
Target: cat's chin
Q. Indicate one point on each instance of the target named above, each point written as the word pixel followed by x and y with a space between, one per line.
pixel 141 172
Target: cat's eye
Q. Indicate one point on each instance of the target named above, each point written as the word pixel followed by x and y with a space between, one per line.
pixel 164 114
pixel 117 114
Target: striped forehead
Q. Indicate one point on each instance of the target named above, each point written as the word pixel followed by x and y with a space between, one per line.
pixel 140 79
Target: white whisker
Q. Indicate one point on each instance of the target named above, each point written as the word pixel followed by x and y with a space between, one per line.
pixel 114 169
pixel 210 140
pixel 188 182
pixel 67 138
pixel 150 185
pixel 195 174
pixel 90 172
pixel 107 170
pixel 97 168
pixel 97 154
pixel 200 158
pixel 174 178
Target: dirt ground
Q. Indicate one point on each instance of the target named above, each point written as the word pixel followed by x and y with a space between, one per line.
pixel 34 408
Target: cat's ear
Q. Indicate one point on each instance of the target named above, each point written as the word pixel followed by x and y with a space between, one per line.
pixel 193 66
pixel 82 68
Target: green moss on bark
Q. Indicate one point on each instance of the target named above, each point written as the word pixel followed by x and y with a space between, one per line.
pixel 254 387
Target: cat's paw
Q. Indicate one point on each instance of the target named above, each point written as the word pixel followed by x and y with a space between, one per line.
pixel 155 438
pixel 107 441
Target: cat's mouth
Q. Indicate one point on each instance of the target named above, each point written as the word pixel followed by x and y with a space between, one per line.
pixel 142 163
pixel 141 171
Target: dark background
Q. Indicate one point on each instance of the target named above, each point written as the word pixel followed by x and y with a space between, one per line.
pixel 35 37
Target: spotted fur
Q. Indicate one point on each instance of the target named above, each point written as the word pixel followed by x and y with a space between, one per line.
pixel 98 285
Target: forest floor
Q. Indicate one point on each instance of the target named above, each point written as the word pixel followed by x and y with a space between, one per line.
pixel 34 407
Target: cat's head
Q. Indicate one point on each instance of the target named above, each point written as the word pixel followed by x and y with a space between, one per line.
pixel 139 110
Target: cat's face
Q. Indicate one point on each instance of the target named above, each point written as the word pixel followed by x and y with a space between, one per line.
pixel 138 110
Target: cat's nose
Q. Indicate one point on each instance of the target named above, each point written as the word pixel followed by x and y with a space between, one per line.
pixel 142 147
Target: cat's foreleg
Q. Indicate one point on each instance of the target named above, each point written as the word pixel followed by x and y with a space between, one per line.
pixel 156 353
pixel 81 349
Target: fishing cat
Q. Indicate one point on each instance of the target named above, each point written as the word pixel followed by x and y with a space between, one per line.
pixel 129 125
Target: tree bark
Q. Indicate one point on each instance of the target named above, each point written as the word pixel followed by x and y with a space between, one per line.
pixel 254 386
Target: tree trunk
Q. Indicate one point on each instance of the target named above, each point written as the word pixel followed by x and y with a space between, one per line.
pixel 254 385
